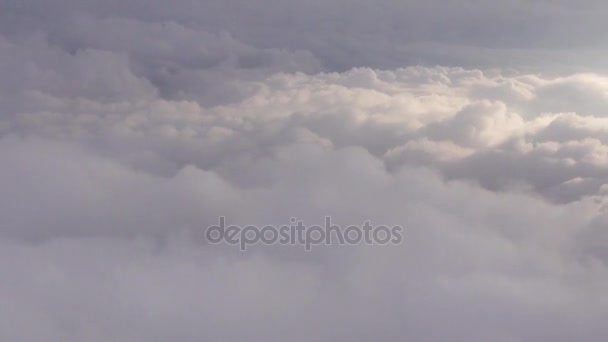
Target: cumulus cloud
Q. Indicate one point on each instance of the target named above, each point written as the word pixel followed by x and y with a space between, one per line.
pixel 127 128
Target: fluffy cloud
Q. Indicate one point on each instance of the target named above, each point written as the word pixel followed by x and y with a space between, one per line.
pixel 127 128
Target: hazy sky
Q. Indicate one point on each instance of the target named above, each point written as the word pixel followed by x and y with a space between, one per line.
pixel 128 127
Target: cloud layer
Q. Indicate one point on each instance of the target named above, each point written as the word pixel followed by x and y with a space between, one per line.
pixel 127 128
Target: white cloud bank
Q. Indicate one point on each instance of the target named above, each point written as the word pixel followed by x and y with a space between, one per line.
pixel 124 133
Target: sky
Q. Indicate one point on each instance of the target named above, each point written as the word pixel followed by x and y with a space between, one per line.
pixel 128 127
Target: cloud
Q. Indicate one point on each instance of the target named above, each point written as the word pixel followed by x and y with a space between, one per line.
pixel 128 128
pixel 343 34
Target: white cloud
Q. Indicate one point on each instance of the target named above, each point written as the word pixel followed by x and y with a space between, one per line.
pixel 126 130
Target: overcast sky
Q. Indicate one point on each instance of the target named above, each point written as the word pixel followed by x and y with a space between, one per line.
pixel 129 126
